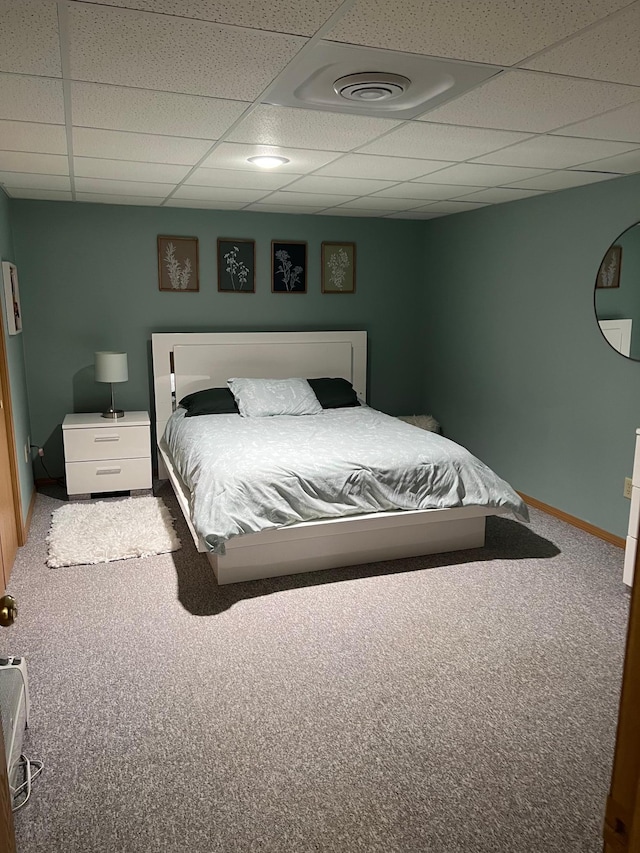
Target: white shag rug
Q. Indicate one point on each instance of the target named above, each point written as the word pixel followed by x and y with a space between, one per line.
pixel 88 533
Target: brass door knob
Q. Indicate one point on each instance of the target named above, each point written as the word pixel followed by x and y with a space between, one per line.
pixel 8 611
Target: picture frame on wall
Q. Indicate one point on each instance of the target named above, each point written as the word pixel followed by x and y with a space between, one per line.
pixel 338 267
pixel 12 297
pixel 609 272
pixel 236 265
pixel 178 269
pixel 288 266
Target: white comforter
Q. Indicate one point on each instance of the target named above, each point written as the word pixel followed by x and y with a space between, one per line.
pixel 252 474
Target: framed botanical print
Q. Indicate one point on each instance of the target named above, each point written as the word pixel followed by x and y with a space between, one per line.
pixel 609 272
pixel 338 267
pixel 236 265
pixel 178 264
pixel 288 266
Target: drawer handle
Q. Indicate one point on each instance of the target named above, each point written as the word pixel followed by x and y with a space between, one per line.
pixel 107 438
pixel 108 470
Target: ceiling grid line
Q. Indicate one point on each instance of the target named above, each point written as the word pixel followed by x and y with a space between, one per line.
pixel 63 37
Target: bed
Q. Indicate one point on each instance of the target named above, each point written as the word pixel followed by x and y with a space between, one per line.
pixel 333 530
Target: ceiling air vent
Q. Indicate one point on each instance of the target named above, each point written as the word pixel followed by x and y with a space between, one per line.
pixel 333 76
pixel 371 86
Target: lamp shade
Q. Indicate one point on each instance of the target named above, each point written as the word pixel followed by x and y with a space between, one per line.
pixel 111 367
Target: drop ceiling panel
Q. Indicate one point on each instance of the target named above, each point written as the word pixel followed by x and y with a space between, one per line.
pixel 269 125
pixel 554 152
pixel 341 186
pixel 115 145
pixel 445 208
pixel 124 170
pixel 498 31
pixel 441 141
pixel 294 199
pixel 530 101
pixel 99 198
pixel 344 211
pixel 31 99
pixel 622 124
pixel 109 45
pixel 230 155
pixel 29 136
pixel 426 191
pixel 387 168
pixel 412 214
pixel 282 208
pixel 371 202
pixel 45 164
pixel 203 203
pixel 145 111
pixel 249 179
pixel 624 163
pixel 303 17
pixel 135 188
pixel 26 180
pixel 43 195
pixel 497 195
pixel 563 180
pixel 29 37
pixel 479 174
pixel 219 194
pixel 606 52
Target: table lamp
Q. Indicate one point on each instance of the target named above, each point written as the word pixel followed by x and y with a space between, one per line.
pixel 112 367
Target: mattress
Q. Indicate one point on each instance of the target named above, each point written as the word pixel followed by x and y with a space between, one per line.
pixel 246 475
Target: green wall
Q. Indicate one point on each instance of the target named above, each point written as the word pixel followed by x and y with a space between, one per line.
pixel 514 365
pixel 16 361
pixel 89 281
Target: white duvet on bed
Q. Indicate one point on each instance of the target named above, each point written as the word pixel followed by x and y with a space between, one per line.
pixel 252 474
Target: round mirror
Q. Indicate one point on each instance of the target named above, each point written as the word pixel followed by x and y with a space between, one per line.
pixel 617 294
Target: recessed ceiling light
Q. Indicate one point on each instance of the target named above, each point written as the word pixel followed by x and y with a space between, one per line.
pixel 268 161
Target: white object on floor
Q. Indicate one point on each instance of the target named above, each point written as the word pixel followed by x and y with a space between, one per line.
pixel 89 533
pixel 427 422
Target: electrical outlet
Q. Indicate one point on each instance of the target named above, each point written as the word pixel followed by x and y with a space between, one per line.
pixel 627 487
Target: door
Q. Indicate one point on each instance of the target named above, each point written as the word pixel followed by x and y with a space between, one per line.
pixel 10 505
pixel 622 817
pixel 8 529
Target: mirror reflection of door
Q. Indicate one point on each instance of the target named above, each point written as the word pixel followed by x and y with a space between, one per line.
pixel 617 294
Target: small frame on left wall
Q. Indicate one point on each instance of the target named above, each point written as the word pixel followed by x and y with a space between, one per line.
pixel 178 264
pixel 12 297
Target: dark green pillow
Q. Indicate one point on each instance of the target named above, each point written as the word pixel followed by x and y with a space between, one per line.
pixel 334 393
pixel 212 401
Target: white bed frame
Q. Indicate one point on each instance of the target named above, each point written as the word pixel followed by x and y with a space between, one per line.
pixel 187 362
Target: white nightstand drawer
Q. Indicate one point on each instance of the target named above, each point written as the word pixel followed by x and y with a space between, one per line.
pixel 108 475
pixel 112 442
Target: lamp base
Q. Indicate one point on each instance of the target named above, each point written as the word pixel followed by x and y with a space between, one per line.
pixel 113 414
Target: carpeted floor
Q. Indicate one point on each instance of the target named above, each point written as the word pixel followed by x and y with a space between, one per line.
pixel 456 704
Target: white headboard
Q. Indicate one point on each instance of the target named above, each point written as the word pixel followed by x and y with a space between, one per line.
pixel 199 360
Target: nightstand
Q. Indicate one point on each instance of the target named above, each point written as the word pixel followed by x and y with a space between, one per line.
pixel 104 455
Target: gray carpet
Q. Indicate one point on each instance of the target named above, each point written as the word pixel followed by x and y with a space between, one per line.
pixel 464 702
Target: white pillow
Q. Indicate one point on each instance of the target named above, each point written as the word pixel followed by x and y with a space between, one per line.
pixel 261 398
